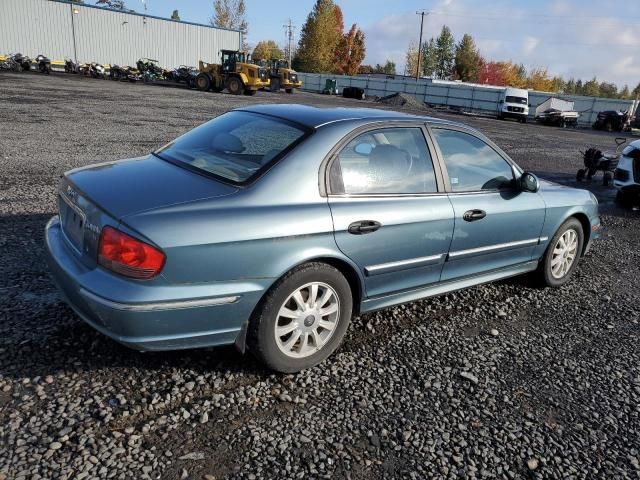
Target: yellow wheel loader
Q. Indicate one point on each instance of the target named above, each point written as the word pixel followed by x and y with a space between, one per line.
pixel 281 76
pixel 234 73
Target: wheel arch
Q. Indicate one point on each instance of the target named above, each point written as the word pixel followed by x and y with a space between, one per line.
pixel 586 229
pixel 344 266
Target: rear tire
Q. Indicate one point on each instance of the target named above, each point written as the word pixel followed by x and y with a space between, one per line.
pixel 608 126
pixel 562 255
pixel 607 178
pixel 292 329
pixel 203 82
pixel 580 175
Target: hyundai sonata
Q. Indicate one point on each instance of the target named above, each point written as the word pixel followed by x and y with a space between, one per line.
pixel 270 226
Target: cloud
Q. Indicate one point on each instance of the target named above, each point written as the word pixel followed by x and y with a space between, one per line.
pixel 584 39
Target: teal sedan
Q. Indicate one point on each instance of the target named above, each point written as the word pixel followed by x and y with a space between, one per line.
pixel 268 227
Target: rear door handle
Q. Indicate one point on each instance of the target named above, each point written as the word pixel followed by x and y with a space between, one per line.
pixel 473 215
pixel 363 226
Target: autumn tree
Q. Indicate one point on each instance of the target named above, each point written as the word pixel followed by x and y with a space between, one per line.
pixel 411 60
pixel 230 14
pixel 538 79
pixel 319 38
pixel 492 74
pixel 446 53
pixel 175 15
pixel 350 52
pixel 467 60
pixel 514 75
pixel 267 50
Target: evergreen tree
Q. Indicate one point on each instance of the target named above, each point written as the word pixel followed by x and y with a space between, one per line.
pixel 625 94
pixel 591 88
pixel 446 53
pixel 570 87
pixel 320 36
pixel 467 60
pixel 429 58
pixel 175 15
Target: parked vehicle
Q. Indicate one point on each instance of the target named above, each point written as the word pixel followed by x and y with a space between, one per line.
pixel 44 64
pixel 70 66
pixel 612 121
pixel 235 73
pixel 270 225
pixel 95 70
pixel 282 76
pixel 124 74
pixel 514 103
pixel 15 62
pixel 596 161
pixel 626 177
pixel 557 112
pixel 183 74
pixel 150 70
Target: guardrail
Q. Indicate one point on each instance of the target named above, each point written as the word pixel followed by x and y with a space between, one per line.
pixel 463 96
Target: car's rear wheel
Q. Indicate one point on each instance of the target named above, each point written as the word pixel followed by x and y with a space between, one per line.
pixel 302 319
pixel 563 254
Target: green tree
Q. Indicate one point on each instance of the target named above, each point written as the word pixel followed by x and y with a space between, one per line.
pixel 320 36
pixel 231 14
pixel 467 60
pixel 570 87
pixel 446 53
pixel 636 91
pixel 557 84
pixel 267 50
pixel 579 87
pixel 175 15
pixel 591 88
pixel 625 93
pixel 389 68
pixel 350 52
pixel 429 58
pixel 608 90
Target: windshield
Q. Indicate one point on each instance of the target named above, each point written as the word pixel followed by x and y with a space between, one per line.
pixel 520 100
pixel 235 146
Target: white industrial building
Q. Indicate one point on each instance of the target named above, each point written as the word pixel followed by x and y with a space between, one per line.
pixel 62 29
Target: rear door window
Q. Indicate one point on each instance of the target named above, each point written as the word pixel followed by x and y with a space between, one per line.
pixel 384 161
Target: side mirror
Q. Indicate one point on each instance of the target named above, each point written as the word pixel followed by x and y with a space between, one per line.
pixel 529 182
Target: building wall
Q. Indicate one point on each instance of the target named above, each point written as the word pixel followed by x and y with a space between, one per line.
pixel 106 36
pixel 467 97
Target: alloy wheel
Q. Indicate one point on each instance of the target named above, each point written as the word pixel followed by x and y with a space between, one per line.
pixel 564 253
pixel 307 320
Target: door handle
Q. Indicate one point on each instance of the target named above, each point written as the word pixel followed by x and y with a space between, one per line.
pixel 363 226
pixel 473 215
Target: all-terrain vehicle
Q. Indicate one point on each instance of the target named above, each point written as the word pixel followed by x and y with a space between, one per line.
pixel 233 73
pixel 282 76
pixel 150 70
pixel 612 121
pixel 596 161
pixel 626 177
pixel 43 64
pixel 124 74
pixel 183 74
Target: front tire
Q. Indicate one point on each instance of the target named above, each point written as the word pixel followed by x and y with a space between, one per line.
pixel 562 255
pixel 302 319
pixel 235 87
pixel 203 82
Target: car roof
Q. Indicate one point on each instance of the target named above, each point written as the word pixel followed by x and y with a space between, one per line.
pixel 314 117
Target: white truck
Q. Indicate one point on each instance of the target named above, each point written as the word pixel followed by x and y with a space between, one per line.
pixel 556 111
pixel 514 103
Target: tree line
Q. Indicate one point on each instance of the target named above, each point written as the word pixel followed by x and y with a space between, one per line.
pixel 443 58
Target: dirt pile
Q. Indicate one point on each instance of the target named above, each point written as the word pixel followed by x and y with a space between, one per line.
pixel 402 100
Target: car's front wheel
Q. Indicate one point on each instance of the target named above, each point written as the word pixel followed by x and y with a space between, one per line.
pixel 302 319
pixel 562 255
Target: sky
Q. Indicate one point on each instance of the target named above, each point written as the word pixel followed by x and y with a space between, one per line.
pixel 572 38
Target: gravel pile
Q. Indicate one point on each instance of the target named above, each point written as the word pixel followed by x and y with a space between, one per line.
pixel 500 381
pixel 402 100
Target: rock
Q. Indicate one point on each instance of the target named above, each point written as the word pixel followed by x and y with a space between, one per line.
pixel 494 332
pixel 184 474
pixel 192 456
pixel 204 418
pixel 55 446
pixel 532 463
pixel 469 376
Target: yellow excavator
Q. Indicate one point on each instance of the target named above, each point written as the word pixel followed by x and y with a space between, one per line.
pixel 234 73
pixel 282 76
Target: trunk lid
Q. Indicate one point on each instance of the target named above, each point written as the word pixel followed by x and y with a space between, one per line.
pixel 92 197
pixel 132 186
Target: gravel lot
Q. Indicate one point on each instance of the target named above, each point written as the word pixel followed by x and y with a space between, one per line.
pixel 499 381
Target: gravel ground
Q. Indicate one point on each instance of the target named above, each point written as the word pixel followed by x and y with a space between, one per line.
pixel 499 381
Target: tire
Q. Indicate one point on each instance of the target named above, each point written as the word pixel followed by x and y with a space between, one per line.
pixel 500 117
pixel 547 273
pixel 608 126
pixel 524 120
pixel 261 334
pixel 607 178
pixel 203 82
pixel 580 175
pixel 289 90
pixel 622 199
pixel 235 87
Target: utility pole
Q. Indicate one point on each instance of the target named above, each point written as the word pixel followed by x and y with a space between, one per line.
pixel 422 13
pixel 289 28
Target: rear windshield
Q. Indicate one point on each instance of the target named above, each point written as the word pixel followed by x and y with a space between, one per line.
pixel 520 100
pixel 235 146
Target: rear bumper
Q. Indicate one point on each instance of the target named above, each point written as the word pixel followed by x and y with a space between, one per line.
pixel 145 316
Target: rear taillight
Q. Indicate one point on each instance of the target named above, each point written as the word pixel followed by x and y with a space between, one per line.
pixel 128 256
